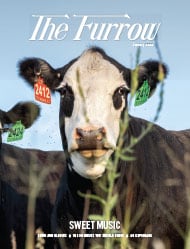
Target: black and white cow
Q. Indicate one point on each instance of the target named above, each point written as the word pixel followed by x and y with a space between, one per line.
pixel 16 165
pixel 94 89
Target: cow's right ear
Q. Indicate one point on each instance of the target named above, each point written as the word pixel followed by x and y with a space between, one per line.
pixel 33 68
pixel 151 71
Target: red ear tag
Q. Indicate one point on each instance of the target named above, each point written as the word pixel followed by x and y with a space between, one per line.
pixel 42 92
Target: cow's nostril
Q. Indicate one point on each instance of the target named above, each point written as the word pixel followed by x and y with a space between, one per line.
pixel 79 134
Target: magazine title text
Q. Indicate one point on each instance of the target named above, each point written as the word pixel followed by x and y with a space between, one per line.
pixel 92 27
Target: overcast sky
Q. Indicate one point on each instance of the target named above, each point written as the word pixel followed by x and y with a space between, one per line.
pixel 18 20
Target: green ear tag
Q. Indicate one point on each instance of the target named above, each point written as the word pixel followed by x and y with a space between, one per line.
pixel 16 132
pixel 142 94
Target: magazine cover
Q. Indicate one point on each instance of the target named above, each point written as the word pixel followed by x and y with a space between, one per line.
pixel 94 125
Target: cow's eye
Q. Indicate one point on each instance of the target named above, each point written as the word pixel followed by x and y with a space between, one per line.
pixel 118 95
pixel 122 91
pixel 67 97
pixel 63 91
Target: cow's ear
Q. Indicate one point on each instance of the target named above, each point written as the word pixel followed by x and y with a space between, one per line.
pixel 26 112
pixel 151 71
pixel 33 68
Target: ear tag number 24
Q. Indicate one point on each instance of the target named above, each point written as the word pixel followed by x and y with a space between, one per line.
pixel 42 92
pixel 16 132
pixel 142 94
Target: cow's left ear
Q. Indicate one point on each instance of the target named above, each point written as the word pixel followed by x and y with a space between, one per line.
pixel 151 71
pixel 32 68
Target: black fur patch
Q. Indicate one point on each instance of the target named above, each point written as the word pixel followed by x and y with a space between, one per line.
pixel 118 96
pixel 67 100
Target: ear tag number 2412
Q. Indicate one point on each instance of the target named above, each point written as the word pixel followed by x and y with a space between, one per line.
pixel 42 92
pixel 142 94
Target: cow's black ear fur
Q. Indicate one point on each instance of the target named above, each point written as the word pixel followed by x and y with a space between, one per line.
pixel 152 71
pixel 27 112
pixel 33 68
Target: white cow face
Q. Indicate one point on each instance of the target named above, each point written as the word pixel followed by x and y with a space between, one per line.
pixel 93 96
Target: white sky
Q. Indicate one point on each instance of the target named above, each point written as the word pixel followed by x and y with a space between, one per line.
pixel 16 26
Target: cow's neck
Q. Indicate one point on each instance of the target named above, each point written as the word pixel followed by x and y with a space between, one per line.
pixel 78 184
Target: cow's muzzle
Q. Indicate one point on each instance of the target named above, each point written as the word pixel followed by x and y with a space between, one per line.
pixel 91 141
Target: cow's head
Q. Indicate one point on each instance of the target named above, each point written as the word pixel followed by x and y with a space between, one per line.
pixel 26 112
pixel 93 89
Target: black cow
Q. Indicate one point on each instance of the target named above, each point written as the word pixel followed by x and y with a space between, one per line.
pixel 16 166
pixel 94 89
pixel 26 112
